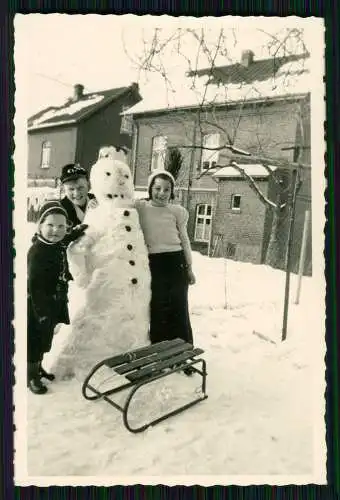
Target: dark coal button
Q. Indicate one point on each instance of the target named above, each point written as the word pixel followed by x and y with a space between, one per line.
pixel 126 213
pixel 129 247
pixel 131 262
pixel 134 281
pixel 128 228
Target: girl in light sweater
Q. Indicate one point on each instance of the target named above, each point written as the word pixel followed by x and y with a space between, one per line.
pixel 165 232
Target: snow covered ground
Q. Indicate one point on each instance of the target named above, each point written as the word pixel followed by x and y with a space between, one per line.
pixel 262 422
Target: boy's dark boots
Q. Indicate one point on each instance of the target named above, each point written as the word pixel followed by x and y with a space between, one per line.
pixel 45 374
pixel 33 379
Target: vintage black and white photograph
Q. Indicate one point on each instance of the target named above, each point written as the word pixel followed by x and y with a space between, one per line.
pixel 169 235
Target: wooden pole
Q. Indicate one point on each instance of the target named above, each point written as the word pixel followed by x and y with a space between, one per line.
pixel 295 180
pixel 211 225
pixel 302 254
pixel 225 282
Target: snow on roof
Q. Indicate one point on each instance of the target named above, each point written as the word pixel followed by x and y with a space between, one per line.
pixel 73 111
pixel 70 109
pixel 254 170
pixel 291 79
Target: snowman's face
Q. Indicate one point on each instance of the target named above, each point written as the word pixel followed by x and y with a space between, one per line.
pixel 111 180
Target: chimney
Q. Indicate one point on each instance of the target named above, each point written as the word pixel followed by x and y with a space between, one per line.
pixel 78 90
pixel 247 58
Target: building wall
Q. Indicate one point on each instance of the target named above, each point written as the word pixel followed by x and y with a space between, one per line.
pixel 63 150
pixel 102 129
pixel 178 127
pixel 244 229
pixel 263 129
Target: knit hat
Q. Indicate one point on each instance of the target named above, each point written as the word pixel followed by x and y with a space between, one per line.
pixel 156 173
pixel 51 207
pixel 72 171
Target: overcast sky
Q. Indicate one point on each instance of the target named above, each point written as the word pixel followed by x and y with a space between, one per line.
pixel 55 51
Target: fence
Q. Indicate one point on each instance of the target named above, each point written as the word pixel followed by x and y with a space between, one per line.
pixel 38 192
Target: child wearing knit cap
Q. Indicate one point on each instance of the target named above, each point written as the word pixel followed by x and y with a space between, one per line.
pixel 76 186
pixel 47 287
pixel 164 225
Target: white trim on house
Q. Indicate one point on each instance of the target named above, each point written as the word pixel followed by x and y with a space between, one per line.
pixel 226 104
pixel 253 169
pixel 198 190
pixel 183 188
pixel 50 125
pixel 204 218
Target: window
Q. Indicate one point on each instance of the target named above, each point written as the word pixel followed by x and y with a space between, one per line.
pixel 46 154
pixel 127 122
pixel 236 202
pixel 203 223
pixel 209 156
pixel 159 150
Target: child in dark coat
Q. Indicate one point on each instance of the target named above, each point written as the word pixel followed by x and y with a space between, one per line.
pixel 47 285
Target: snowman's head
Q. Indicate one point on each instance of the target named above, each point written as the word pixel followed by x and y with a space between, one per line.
pixel 114 152
pixel 111 180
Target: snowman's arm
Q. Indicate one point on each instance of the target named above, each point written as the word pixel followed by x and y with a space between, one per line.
pixel 78 255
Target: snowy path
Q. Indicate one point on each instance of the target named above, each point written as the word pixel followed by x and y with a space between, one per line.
pixel 257 420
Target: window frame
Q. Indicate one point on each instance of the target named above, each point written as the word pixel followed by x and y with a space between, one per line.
pixel 205 216
pixel 233 208
pixel 46 147
pixel 208 155
pixel 126 124
pixel 156 153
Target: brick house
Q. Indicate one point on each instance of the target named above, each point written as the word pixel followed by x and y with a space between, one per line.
pixel 240 217
pixel 272 120
pixel 77 130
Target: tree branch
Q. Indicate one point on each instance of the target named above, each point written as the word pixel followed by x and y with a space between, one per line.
pixel 254 187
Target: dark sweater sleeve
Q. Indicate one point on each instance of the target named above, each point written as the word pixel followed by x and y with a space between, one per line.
pixel 41 282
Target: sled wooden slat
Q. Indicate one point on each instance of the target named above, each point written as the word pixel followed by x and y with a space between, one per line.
pixel 142 366
pixel 157 367
pixel 156 356
pixel 140 353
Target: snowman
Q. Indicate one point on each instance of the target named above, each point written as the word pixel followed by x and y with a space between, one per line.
pixel 110 264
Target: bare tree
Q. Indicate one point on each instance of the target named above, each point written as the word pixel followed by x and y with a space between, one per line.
pixel 210 87
pixel 174 162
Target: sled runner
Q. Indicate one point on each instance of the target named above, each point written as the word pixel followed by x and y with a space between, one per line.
pixel 136 369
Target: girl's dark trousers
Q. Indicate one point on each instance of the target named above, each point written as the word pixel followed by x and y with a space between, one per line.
pixel 169 312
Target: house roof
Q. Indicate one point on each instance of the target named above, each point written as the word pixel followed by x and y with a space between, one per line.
pixel 260 70
pixel 267 79
pixel 254 170
pixel 73 111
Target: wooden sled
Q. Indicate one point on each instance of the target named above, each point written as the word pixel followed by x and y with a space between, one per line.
pixel 143 366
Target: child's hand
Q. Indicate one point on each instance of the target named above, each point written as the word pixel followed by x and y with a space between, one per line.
pixel 57 328
pixel 93 203
pixel 75 233
pixel 191 277
pixel 44 323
